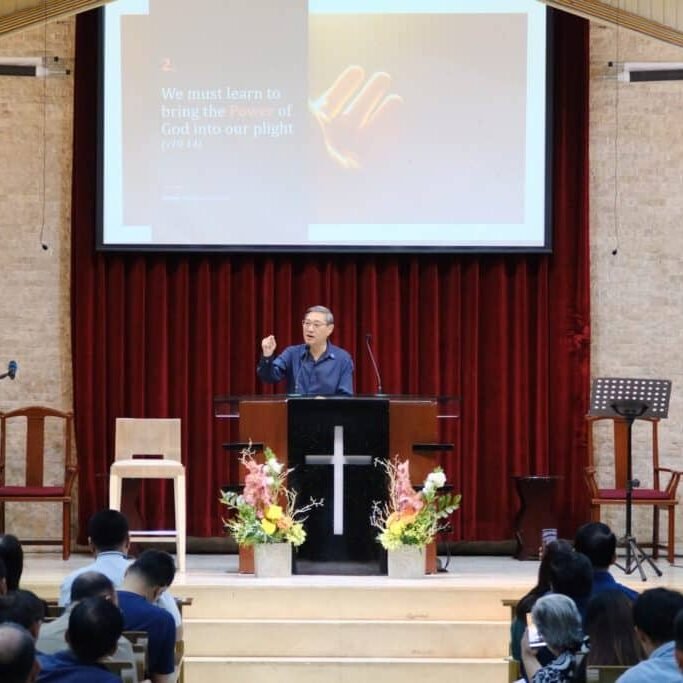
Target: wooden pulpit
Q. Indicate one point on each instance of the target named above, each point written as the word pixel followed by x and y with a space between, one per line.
pixel 347 434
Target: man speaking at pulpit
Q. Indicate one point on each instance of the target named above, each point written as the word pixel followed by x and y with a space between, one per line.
pixel 314 368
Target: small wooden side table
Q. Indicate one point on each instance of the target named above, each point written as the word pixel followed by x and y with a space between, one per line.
pixel 538 511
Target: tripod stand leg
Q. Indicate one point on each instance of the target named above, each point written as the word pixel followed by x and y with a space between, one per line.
pixel 647 558
pixel 635 556
pixel 633 549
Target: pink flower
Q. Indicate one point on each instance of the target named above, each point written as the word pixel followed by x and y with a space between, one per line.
pixel 409 501
pixel 257 491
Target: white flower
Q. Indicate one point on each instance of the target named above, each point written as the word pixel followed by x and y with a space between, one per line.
pixel 435 480
pixel 275 466
pixel 270 481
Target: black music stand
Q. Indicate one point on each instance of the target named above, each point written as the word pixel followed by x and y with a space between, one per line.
pixel 631 399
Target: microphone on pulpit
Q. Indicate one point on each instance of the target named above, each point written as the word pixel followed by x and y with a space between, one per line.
pixel 368 337
pixel 298 372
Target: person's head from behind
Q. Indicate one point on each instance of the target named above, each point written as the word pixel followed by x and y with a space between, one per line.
pixel 542 586
pixel 151 574
pixel 17 654
pixel 598 543
pixel 608 623
pixel 571 574
pixel 23 608
pixel 551 552
pixel 558 622
pixel 654 613
pixel 108 530
pixel 12 555
pixel 93 585
pixel 95 626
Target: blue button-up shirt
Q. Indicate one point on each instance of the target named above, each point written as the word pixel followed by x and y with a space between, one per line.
pixel 603 581
pixel 331 374
pixel 660 667
pixel 63 667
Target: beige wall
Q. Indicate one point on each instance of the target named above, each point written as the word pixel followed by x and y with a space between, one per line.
pixel 35 187
pixel 637 303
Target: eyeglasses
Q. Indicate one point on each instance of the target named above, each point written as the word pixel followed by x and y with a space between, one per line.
pixel 317 324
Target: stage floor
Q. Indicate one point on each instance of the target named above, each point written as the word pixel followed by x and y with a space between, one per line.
pixel 502 573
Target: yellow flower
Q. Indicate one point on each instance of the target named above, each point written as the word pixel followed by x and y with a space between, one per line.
pixel 396 527
pixel 268 526
pixel 273 512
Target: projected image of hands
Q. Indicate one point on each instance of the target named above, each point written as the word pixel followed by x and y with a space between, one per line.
pixel 356 114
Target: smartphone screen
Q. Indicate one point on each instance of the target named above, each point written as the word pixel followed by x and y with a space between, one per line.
pixel 535 639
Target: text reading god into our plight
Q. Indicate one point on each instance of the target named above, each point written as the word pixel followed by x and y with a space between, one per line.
pixel 190 115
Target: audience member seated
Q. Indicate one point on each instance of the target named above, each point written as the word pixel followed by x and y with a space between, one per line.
pixel 12 555
pixel 654 613
pixel 559 623
pixel 608 623
pixel 571 574
pixel 95 626
pixel 23 608
pixel 3 577
pixel 52 637
pixel 17 655
pixel 529 600
pixel 597 542
pixel 150 575
pixel 109 542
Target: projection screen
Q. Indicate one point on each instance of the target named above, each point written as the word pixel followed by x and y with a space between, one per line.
pixel 327 125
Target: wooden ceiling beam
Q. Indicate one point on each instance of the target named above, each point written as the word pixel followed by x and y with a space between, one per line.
pixel 38 12
pixel 607 13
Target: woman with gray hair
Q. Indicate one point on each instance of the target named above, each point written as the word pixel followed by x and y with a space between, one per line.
pixel 559 625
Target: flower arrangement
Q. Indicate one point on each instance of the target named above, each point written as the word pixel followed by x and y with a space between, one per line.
pixel 411 517
pixel 266 509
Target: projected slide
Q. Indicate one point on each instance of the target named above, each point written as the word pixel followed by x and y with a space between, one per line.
pixel 326 125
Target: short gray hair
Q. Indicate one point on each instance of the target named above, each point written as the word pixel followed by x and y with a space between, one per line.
pixel 329 318
pixel 558 621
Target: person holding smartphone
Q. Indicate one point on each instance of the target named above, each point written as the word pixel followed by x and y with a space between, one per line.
pixel 559 625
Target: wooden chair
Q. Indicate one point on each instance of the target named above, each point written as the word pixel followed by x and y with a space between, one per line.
pixel 160 441
pixel 604 674
pixel 124 670
pixel 654 496
pixel 140 641
pixel 32 422
pixel 53 610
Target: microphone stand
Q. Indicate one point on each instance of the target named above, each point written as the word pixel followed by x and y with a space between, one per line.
pixel 368 337
pixel 635 555
pixel 298 372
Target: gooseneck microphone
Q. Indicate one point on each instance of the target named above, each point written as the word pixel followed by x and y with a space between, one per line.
pixel 368 337
pixel 12 368
pixel 301 367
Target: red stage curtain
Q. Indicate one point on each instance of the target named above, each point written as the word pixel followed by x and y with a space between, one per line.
pixel 160 335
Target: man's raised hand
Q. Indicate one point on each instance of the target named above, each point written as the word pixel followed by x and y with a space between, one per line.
pixel 268 345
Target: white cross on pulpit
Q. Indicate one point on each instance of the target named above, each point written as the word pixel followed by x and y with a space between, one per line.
pixel 338 459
